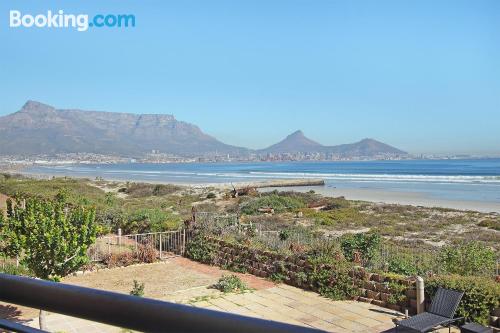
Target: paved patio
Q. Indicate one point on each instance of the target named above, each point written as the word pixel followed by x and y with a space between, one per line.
pixel 268 301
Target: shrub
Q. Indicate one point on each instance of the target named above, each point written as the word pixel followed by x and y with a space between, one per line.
pixel 146 253
pixel 468 258
pixel 279 203
pixel 140 190
pixel 137 289
pixel 230 283
pixel 150 220
pixel 481 295
pixel 119 259
pixel 201 249
pixel 343 215
pixel 331 274
pixel 211 195
pixel 397 294
pixel 402 266
pixel 365 244
pixel 491 224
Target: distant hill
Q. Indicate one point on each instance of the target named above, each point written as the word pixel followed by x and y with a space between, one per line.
pixel 42 129
pixel 297 142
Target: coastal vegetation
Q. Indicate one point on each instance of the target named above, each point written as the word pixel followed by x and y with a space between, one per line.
pixel 304 239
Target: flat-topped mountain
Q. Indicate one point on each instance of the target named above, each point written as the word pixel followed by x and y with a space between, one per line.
pixel 42 129
pixel 297 142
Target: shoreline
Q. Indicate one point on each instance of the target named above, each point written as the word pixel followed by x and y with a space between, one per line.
pixel 401 198
pixel 318 185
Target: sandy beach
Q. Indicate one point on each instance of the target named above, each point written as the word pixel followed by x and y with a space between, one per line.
pixel 401 198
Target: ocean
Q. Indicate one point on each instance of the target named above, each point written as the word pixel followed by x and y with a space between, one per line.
pixel 461 180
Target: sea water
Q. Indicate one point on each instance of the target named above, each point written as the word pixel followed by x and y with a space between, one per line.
pixel 472 179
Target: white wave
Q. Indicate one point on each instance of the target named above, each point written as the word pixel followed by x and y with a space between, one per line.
pixel 383 177
pixel 341 177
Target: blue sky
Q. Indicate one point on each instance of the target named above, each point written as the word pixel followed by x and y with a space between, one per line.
pixel 421 75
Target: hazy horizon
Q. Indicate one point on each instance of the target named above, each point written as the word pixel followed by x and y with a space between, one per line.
pixel 423 77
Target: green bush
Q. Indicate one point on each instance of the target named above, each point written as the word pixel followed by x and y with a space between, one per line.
pixel 201 249
pixel 397 294
pixel 279 203
pixel 331 274
pixel 481 295
pixel 366 244
pixel 471 258
pixel 336 214
pixel 149 220
pixel 230 283
pixel 402 266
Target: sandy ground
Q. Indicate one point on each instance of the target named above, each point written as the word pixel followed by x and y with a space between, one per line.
pixel 162 280
pixel 401 198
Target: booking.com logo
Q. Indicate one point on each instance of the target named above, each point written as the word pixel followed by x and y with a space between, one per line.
pixel 80 22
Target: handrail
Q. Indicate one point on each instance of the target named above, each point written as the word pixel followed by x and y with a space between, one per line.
pixel 132 312
pixel 16 327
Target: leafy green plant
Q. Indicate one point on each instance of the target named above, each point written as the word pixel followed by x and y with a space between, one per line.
pixel 367 244
pixel 201 249
pixel 481 295
pixel 51 237
pixel 277 277
pixel 301 277
pixel 211 195
pixel 137 289
pixel 330 273
pixel 230 283
pixel 401 266
pixel 468 258
pixel 397 292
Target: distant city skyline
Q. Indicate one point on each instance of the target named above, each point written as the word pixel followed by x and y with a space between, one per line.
pixel 421 76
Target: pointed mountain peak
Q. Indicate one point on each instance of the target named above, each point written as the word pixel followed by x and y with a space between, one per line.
pixel 297 133
pixel 33 106
pixel 295 142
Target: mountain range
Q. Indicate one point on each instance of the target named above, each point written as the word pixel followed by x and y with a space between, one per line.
pixel 39 129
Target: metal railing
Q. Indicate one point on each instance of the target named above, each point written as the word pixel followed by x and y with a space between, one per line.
pixel 165 244
pixel 131 312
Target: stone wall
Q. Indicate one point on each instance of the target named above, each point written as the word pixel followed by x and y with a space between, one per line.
pixel 373 288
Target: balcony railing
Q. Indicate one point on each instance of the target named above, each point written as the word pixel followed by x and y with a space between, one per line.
pixel 131 312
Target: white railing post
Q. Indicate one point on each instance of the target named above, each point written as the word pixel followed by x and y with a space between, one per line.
pixel 161 250
pixel 183 242
pixel 420 295
pixel 119 236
